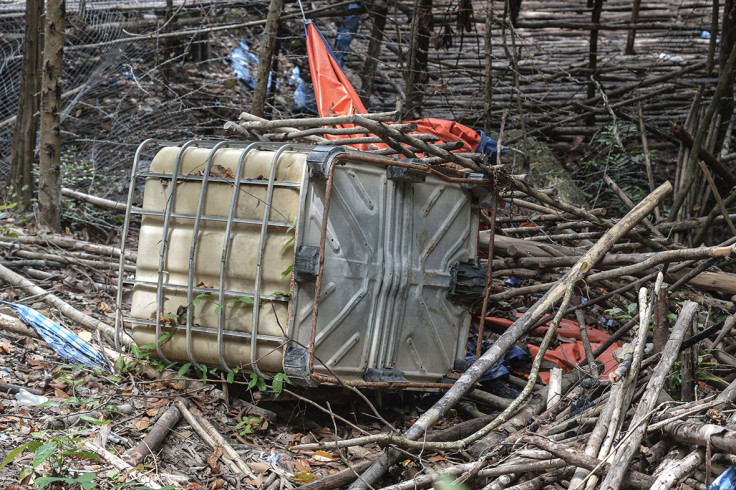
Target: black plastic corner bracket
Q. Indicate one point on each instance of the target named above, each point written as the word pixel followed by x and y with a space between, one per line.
pixel 306 263
pixel 404 174
pixel 373 375
pixel 467 283
pixel 296 366
pixel 320 159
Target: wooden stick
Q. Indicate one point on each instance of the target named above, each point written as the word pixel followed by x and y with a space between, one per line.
pixel 120 465
pixel 629 203
pixel 626 450
pixel 686 138
pixel 97 201
pixel 312 121
pixel 678 469
pixel 705 122
pixel 155 437
pixel 213 438
pixel 581 460
pixel 717 195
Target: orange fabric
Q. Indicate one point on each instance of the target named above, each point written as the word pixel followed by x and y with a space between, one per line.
pixel 569 354
pixel 334 93
pixel 336 96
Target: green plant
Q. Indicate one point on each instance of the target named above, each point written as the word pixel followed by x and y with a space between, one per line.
pixel 53 451
pixel 256 382
pixel 248 424
pixel 243 299
pixel 277 385
pixel 617 312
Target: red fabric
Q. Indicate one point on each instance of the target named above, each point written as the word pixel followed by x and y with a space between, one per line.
pixel 336 96
pixel 568 354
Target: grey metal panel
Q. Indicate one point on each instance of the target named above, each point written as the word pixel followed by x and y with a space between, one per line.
pixel 390 246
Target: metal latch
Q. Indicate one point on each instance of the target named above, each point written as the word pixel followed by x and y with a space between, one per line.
pixel 320 159
pixel 306 263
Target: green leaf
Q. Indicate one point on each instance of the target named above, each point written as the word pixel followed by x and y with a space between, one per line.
pixel 632 307
pixel 288 243
pixel 44 481
pixel 80 454
pixel 231 376
pixel 13 454
pixel 44 452
pixel 87 477
pixel 278 383
pixel 288 270
pixel 33 445
pixel 93 420
pixel 672 316
pixel 183 370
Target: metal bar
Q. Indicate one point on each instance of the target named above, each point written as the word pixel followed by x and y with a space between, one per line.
pixel 213 218
pixel 226 248
pixel 223 180
pixel 126 229
pixel 193 249
pixel 162 252
pixel 227 292
pixel 208 330
pixel 259 260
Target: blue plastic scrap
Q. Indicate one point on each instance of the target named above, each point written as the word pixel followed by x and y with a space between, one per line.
pixel 500 370
pixel 65 342
pixel 304 100
pixel 727 480
pixel 346 33
pixel 244 63
pixel 487 145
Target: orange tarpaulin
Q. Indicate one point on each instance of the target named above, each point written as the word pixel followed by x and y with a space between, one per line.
pixel 336 96
pixel 568 354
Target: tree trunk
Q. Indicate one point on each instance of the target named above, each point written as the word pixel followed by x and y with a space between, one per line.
pixel 632 33
pixel 713 37
pixel 374 50
pixel 728 38
pixel 593 55
pixel 20 180
pixel 417 77
pixel 49 182
pixel 264 58
pixel 488 92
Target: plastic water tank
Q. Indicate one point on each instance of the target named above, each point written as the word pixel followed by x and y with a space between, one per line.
pixel 231 241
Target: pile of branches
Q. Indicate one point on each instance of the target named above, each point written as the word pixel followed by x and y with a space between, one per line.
pixel 626 430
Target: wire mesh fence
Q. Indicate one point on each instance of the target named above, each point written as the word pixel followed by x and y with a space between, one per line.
pixel 137 70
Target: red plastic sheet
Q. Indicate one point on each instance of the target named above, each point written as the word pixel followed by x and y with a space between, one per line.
pixel 568 354
pixel 336 96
